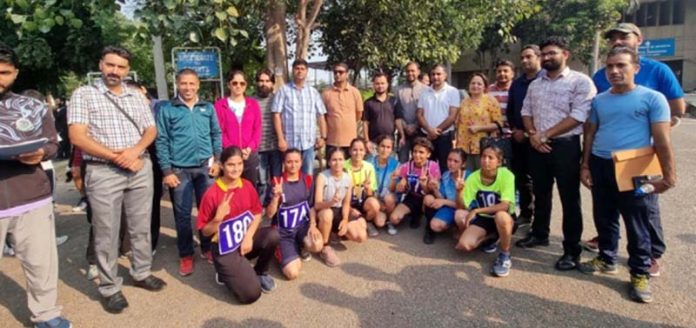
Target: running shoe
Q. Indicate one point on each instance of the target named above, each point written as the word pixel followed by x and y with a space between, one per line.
pixel 640 288
pixel 330 257
pixel 57 322
pixel 186 266
pixel 502 265
pixel 489 246
pixel 92 272
pixel 391 229
pixel 267 283
pixel 372 230
pixel 208 256
pixel 8 251
pixel 60 240
pixel 597 264
pixel 591 245
pixel 305 255
pixel 655 267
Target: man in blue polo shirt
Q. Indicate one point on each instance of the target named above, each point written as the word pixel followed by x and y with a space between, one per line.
pixel 188 144
pixel 659 77
pixel 627 116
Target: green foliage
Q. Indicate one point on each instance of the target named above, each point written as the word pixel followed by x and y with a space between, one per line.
pixel 234 26
pixel 60 41
pixel 576 20
pixel 388 33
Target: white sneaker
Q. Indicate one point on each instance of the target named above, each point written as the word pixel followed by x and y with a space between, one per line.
pixel 8 251
pixel 391 229
pixel 60 240
pixel 92 272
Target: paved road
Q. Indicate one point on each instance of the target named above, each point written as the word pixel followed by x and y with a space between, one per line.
pixel 392 281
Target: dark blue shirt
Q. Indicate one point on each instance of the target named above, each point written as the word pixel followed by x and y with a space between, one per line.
pixel 516 94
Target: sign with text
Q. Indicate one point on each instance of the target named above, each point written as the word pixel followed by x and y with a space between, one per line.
pixel 206 62
pixel 657 48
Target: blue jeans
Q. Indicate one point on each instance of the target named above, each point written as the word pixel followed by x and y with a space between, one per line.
pixel 308 161
pixel 608 203
pixel 270 165
pixel 194 179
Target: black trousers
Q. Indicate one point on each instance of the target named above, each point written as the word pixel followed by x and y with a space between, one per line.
pixel 562 166
pixel 607 203
pixel 523 180
pixel 235 271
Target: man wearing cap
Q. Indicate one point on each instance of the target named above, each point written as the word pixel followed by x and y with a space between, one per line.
pixel 657 76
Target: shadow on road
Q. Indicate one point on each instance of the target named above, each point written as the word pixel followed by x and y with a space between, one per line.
pixel 17 304
pixel 226 323
pixel 473 302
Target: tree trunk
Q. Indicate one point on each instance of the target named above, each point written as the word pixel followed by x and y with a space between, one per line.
pixel 594 62
pixel 276 41
pixel 306 23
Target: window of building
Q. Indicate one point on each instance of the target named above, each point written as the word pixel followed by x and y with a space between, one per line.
pixel 657 13
pixel 665 13
pixel 678 12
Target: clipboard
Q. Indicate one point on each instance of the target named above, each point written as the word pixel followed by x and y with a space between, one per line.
pixel 632 163
pixel 9 152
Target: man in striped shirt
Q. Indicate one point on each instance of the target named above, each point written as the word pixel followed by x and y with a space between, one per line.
pixel 504 72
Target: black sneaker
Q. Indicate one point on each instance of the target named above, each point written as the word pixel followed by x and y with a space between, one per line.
pixel 429 236
pixel 151 283
pixel 567 262
pixel 415 221
pixel 115 303
pixel 531 241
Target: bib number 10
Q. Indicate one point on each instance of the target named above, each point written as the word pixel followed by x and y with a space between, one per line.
pixel 232 232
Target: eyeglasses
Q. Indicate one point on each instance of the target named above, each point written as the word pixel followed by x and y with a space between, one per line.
pixel 339 72
pixel 238 83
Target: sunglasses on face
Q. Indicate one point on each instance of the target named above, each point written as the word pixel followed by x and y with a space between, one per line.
pixel 238 83
pixel 339 72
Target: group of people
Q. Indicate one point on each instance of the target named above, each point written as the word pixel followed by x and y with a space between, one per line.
pixel 418 152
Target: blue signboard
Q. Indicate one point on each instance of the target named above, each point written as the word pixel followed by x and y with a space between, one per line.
pixel 204 62
pixel 657 48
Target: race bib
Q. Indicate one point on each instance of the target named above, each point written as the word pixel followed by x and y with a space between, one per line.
pixel 291 216
pixel 232 232
pixel 413 183
pixel 487 198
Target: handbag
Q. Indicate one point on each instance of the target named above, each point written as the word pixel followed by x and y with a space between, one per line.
pixel 500 141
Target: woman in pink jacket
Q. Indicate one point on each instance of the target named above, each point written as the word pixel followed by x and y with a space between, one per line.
pixel 240 121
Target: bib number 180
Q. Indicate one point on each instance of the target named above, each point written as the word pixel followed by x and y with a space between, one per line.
pixel 232 232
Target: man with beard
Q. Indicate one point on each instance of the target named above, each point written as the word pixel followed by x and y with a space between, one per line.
pixel 187 167
pixel 504 72
pixel 378 117
pixel 113 125
pixel 407 103
pixel 270 163
pixel 437 111
pixel 531 66
pixel 26 207
pixel 556 105
pixel 344 109
pixel 659 77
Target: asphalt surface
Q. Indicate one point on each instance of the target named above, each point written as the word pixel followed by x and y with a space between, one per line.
pixel 391 281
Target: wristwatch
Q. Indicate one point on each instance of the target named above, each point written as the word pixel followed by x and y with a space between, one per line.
pixel 544 139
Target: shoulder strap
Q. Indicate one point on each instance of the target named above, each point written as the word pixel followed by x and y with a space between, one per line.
pixel 121 110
